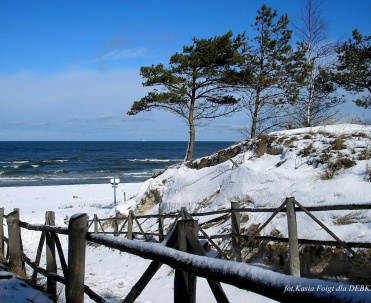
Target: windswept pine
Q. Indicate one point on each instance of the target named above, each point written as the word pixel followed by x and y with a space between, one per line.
pixel 193 84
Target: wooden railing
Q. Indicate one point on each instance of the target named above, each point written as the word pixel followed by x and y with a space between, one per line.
pixel 189 261
pixel 126 226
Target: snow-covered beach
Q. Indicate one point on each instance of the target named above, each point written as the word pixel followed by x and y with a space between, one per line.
pixel 258 181
pixel 65 200
pixel 108 272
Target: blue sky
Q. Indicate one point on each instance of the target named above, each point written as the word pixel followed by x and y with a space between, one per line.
pixel 69 70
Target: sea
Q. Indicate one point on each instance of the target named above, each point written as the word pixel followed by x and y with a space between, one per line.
pixel 69 162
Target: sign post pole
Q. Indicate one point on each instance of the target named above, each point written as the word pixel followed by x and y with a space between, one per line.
pixel 115 182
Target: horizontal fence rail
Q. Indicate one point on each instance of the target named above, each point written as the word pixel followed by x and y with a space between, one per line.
pixel 241 275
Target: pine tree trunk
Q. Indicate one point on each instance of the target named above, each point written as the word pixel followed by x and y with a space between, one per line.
pixel 192 131
pixel 254 119
pixel 191 142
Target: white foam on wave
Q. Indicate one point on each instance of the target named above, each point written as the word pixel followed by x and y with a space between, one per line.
pixel 153 160
pixel 14 162
pixel 54 161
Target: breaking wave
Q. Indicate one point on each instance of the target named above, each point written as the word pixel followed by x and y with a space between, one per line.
pixel 154 160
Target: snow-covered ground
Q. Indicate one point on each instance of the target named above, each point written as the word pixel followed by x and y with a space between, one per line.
pixel 267 180
pixel 259 181
pixel 109 272
pixel 14 290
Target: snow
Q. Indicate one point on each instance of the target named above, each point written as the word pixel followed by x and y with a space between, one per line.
pixel 259 182
pixel 338 129
pixel 257 277
pixel 14 290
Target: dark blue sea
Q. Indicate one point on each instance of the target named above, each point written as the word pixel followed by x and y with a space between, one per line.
pixel 58 163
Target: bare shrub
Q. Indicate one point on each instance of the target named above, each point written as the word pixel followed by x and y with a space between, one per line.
pixel 322 158
pixel 349 218
pixel 280 140
pixel 335 166
pixel 306 151
pixel 338 144
pixel 344 163
pixel 368 166
pixel 276 233
pixel 263 144
pixel 289 142
pixel 244 218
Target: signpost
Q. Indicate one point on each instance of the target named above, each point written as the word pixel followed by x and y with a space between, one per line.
pixel 115 182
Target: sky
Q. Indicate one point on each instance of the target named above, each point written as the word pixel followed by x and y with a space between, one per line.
pixel 69 70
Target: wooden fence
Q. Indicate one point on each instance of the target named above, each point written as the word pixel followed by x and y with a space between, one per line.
pixel 126 226
pixel 189 262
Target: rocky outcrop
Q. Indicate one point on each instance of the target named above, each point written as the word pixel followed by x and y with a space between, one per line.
pixel 219 157
pixel 152 198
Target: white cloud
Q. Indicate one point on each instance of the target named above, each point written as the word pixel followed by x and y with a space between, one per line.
pixel 75 119
pixel 13 123
pixel 115 124
pixel 122 54
pixel 40 124
pixel 104 117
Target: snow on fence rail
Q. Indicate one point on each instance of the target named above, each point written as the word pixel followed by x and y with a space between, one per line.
pixel 181 250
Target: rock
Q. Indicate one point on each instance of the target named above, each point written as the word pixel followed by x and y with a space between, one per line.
pixel 157 172
pixel 152 197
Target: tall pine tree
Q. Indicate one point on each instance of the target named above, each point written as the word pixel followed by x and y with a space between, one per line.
pixel 193 84
pixel 270 72
pixel 354 67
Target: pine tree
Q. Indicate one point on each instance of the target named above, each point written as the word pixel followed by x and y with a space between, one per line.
pixel 354 67
pixel 269 72
pixel 193 83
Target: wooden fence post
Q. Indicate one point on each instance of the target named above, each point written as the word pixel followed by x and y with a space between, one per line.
pixel 51 265
pixel 38 255
pixel 115 227
pixel 129 234
pixel 183 212
pixel 160 226
pixel 2 232
pixel 293 238
pixel 95 223
pixel 77 230
pixel 14 245
pixel 95 220
pixel 235 222
pixel 185 283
